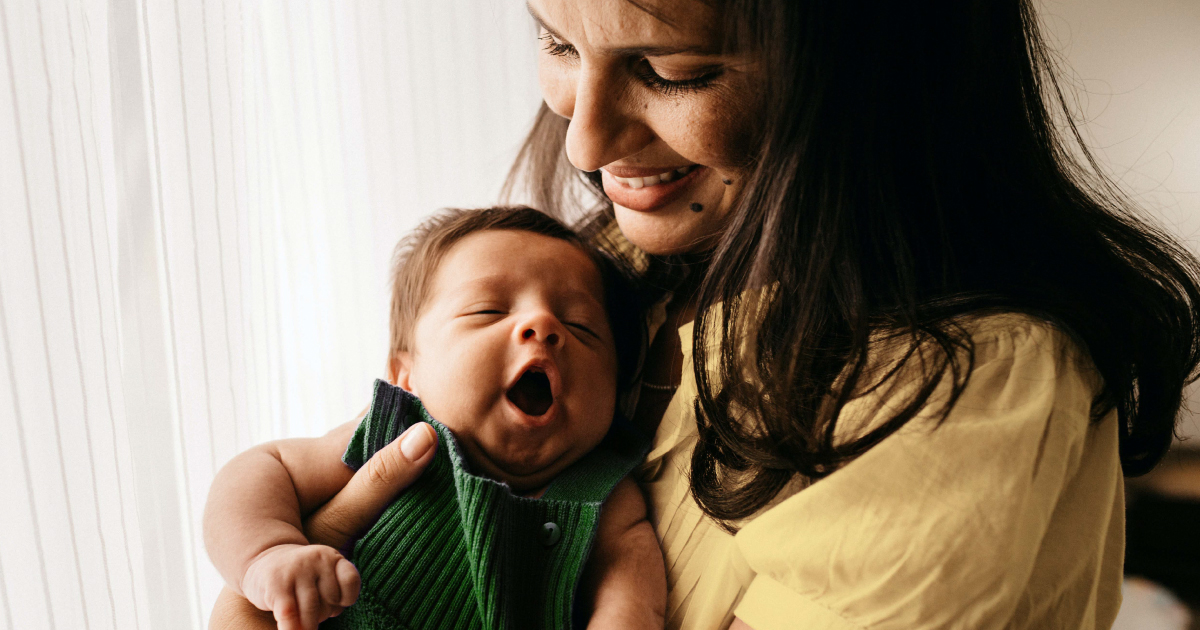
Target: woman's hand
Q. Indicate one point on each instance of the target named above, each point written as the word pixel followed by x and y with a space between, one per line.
pixel 345 517
pixel 351 512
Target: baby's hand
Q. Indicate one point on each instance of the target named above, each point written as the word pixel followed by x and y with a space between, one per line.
pixel 302 584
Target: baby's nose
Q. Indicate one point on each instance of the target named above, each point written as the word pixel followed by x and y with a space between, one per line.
pixel 549 339
pixel 544 328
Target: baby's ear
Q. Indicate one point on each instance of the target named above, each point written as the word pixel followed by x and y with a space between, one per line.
pixel 400 371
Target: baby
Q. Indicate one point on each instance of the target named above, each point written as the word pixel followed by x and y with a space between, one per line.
pixel 502 325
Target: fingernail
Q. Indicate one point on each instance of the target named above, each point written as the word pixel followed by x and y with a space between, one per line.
pixel 416 442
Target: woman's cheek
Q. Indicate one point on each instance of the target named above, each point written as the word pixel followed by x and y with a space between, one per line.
pixel 709 132
pixel 735 137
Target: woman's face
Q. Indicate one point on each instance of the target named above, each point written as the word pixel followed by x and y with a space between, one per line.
pixel 656 107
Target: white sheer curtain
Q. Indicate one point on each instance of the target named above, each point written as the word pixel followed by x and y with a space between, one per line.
pixel 199 201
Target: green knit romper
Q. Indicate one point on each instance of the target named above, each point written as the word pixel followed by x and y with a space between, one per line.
pixel 456 550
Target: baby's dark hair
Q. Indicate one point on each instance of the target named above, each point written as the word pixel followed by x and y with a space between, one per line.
pixel 420 252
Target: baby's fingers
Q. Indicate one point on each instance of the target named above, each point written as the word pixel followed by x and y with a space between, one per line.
pixel 338 585
pixel 328 587
pixel 348 582
pixel 312 609
pixel 287 612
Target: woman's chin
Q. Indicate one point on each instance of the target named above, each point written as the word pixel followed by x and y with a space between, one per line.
pixel 668 230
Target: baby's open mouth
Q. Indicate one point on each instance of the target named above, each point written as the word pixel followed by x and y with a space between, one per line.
pixel 531 393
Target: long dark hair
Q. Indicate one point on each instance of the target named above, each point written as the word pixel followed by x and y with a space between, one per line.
pixel 917 164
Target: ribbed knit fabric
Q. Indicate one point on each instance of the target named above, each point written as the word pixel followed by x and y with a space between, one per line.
pixel 456 550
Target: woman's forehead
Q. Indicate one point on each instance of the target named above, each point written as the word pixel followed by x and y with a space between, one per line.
pixel 631 25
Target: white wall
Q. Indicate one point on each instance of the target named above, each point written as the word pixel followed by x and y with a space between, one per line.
pixel 1136 68
pixel 198 204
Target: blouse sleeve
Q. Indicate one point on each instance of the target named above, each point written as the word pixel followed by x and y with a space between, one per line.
pixel 935 526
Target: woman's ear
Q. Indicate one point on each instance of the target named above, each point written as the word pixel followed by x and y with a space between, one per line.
pixel 400 371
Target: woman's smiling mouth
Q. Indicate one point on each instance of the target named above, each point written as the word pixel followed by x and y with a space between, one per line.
pixel 645 190
pixel 652 180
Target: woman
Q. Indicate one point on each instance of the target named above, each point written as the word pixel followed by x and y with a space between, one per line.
pixel 922 338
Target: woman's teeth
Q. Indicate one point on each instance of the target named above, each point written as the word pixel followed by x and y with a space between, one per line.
pixel 654 180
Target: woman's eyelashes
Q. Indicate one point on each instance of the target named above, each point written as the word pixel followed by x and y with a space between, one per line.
pixel 642 70
pixel 554 47
pixel 672 87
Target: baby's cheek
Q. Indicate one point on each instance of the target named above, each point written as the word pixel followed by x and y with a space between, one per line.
pixel 600 415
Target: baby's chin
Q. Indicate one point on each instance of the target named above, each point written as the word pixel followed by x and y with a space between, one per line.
pixel 526 460
pixel 523 474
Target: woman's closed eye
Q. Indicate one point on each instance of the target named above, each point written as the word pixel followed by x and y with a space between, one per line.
pixel 670 87
pixel 642 69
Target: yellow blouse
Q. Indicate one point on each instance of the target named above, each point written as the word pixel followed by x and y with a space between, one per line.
pixel 1008 515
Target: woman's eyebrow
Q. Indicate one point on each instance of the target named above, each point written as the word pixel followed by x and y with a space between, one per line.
pixel 643 51
pixel 542 23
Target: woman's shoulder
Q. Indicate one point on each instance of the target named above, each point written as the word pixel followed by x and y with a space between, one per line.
pixel 1022 340
pixel 1001 362
pixel 1017 445
pixel 1022 364
pixel 991 339
pixel 1022 330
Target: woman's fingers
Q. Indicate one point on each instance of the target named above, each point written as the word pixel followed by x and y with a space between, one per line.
pixel 393 468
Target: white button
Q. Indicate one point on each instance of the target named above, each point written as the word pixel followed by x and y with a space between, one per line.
pixel 550 534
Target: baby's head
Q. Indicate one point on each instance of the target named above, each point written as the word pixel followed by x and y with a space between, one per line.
pixel 500 324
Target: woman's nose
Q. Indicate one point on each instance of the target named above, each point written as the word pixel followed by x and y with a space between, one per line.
pixel 606 124
pixel 541 327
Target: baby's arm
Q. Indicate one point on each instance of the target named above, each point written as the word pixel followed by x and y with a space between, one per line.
pixel 254 535
pixel 625 580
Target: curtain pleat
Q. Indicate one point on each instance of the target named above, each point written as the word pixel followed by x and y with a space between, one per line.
pixel 199 203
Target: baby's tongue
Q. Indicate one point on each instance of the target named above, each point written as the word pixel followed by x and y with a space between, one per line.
pixel 531 393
